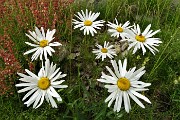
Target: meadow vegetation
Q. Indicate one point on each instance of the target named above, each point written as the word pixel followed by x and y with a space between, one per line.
pixel 84 97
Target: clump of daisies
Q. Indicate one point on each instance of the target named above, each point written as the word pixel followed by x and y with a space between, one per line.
pixel 42 86
pixel 136 39
pixel 122 84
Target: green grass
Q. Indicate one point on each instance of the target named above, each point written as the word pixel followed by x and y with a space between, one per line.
pixel 84 97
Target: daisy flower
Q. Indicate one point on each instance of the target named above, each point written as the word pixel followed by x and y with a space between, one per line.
pixel 141 40
pixel 42 85
pixel 119 30
pixel 42 43
pixel 87 22
pixel 124 84
pixel 104 51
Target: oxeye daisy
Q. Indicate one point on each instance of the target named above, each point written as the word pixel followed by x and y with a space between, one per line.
pixel 42 85
pixel 141 40
pixel 87 22
pixel 43 43
pixel 124 84
pixel 104 51
pixel 119 30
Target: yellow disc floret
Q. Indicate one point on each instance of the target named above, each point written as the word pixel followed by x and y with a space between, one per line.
pixel 87 23
pixel 104 50
pixel 123 84
pixel 119 29
pixel 44 83
pixel 43 43
pixel 140 38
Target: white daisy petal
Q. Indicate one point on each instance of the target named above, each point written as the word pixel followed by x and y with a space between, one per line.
pixel 50 48
pixel 54 91
pixel 46 97
pixel 34 45
pixel 143 49
pixel 49 36
pixel 137 72
pixel 140 96
pixel 138 29
pixel 38 33
pixel 115 68
pixel 48 51
pixel 136 100
pixel 43 34
pixel 60 86
pixel 112 99
pixel 110 96
pixel 37 100
pixel 146 30
pixel 128 99
pixel 61 76
pixel 32 98
pixel 53 103
pixel 30 51
pixel 25 84
pixel 36 54
pixel 25 89
pixel 54 73
pixel 116 102
pixel 31 74
pixel 26 78
pixel 124 67
pixel 34 40
pixel 59 98
pixel 42 99
pixel 111 72
pixel 29 93
pixel 120 101
pixel 55 44
pixel 30 102
pixel 126 102
pixel 150 35
pixel 40 73
pixel 51 70
pixel 57 82
pixel 45 54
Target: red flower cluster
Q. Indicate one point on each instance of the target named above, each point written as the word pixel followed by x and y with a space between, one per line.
pixel 45 13
pixel 9 65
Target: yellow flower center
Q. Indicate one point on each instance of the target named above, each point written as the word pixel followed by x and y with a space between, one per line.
pixel 119 29
pixel 123 84
pixel 104 50
pixel 43 43
pixel 140 38
pixel 87 23
pixel 44 83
